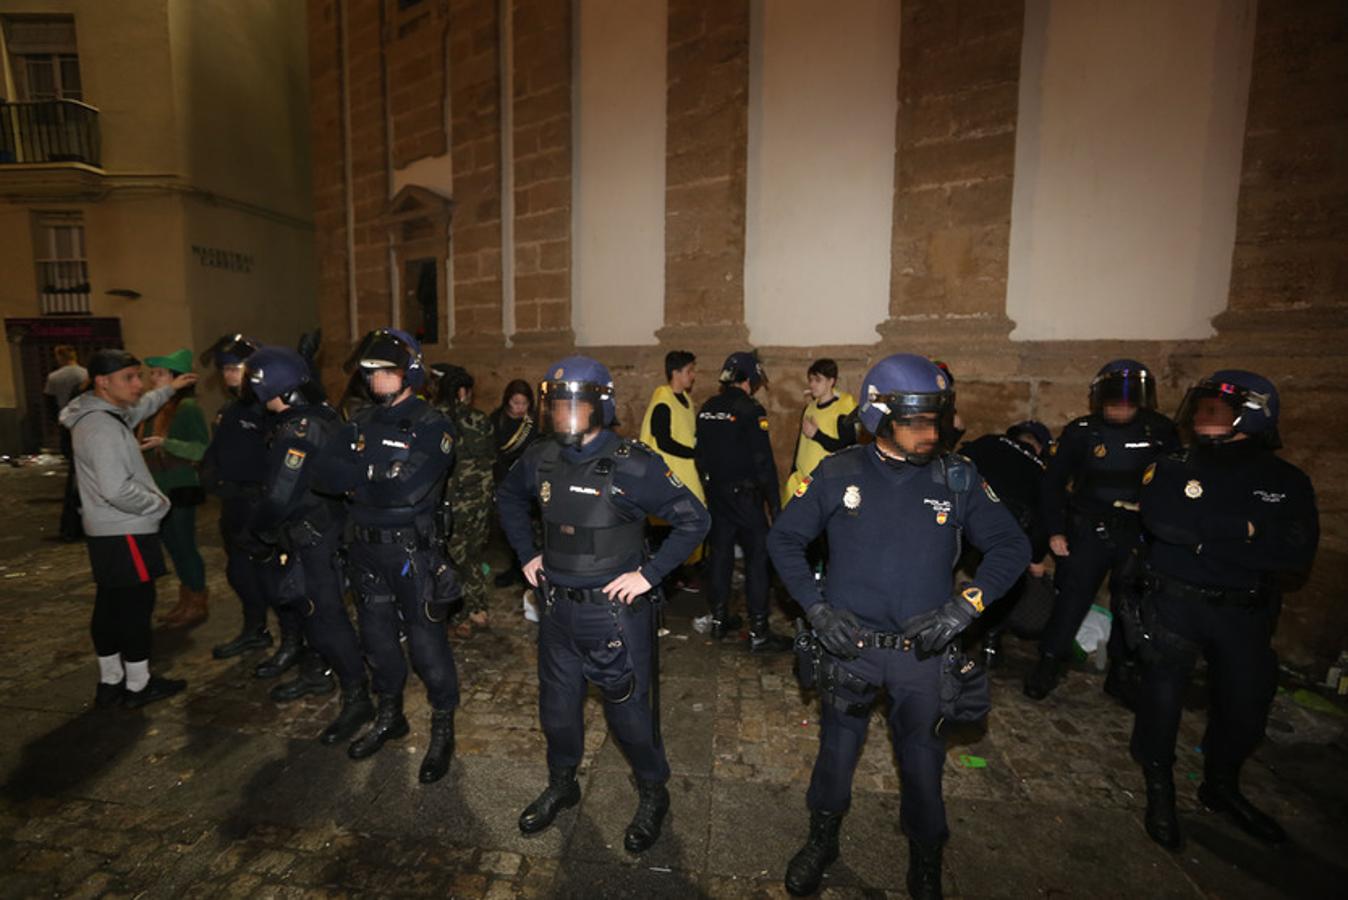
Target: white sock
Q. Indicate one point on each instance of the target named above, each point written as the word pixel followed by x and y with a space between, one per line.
pixel 137 675
pixel 110 669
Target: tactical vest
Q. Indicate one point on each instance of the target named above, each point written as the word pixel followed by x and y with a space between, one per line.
pixel 422 501
pixel 1115 459
pixel 584 533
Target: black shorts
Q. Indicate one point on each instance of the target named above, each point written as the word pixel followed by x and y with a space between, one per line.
pixel 126 560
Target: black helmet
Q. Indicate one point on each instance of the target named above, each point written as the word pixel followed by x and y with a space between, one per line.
pixel 281 372
pixel 1123 381
pixel 1230 402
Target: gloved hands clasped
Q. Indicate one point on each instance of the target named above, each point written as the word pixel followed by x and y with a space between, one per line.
pixel 838 630
pixel 931 631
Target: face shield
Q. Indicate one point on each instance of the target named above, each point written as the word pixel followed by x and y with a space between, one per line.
pixel 1213 412
pixel 571 409
pixel 918 424
pixel 383 351
pixel 1112 393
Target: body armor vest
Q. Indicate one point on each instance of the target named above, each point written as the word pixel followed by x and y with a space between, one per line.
pixel 584 532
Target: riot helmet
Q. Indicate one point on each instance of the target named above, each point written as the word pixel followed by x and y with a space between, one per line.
pixel 575 399
pixel 907 390
pixel 1120 385
pixel 1227 403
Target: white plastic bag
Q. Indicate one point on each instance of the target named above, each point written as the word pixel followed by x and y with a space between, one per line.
pixel 1093 635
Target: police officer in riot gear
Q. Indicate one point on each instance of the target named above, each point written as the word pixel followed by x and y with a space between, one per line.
pixel 596 585
pixel 895 512
pixel 1225 518
pixel 1093 528
pixel 234 468
pixel 394 458
pixel 303 522
pixel 734 456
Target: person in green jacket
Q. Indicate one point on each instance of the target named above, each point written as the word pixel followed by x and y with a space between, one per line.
pixel 174 441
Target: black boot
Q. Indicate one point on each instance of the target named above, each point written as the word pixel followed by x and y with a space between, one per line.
pixel 250 639
pixel 1043 678
pixel 314 678
pixel 1122 682
pixel 924 869
pixel 1162 823
pixel 1220 792
pixel 286 655
pixel 763 640
pixel 724 625
pixel 644 829
pixel 562 792
pixel 356 711
pixel 436 763
pixel 109 694
pixel 805 872
pixel 389 725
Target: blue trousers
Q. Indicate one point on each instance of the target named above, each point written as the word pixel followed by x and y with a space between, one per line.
pixel 327 627
pixel 610 646
pixel 914 688
pixel 254 582
pixel 1078 577
pixel 394 587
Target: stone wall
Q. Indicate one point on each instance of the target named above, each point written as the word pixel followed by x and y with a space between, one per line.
pixel 957 86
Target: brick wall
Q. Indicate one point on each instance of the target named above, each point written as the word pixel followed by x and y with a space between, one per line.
pixel 475 105
pixel 541 117
pixel 416 79
pixel 706 164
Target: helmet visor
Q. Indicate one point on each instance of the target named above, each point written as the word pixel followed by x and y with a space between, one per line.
pixel 1213 411
pixel 571 409
pixel 1124 387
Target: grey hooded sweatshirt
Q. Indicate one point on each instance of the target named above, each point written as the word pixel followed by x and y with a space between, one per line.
pixel 117 492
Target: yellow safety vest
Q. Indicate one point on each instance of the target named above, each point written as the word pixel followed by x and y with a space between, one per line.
pixel 810 452
pixel 682 428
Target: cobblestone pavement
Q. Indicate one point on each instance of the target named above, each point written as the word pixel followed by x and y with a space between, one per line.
pixel 218 792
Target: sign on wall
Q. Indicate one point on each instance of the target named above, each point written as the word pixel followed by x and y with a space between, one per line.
pixel 229 260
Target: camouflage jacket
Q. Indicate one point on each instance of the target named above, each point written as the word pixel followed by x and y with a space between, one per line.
pixel 476 451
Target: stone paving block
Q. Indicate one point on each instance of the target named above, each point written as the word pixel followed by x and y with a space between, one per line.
pixel 584 879
pixel 610 800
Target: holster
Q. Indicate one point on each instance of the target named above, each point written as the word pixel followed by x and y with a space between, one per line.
pixel 966 695
pixel 817 669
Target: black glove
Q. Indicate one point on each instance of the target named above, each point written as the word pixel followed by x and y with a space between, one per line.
pixel 931 631
pixel 837 630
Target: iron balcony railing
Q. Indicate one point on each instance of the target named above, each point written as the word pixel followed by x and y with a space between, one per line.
pixel 63 286
pixel 48 131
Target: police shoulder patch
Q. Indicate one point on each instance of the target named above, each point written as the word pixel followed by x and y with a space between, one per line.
pixel 1148 475
pixel 294 458
pixel 446 442
pixel 802 487
pixel 673 479
pixel 992 495
pixel 763 422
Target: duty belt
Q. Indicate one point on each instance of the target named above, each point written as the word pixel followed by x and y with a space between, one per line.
pixel 406 536
pixel 583 595
pixel 1219 596
pixel 886 640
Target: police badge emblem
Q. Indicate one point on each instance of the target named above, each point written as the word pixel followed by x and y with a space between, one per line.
pixel 294 458
pixel 359 445
pixel 1148 475
pixel 1194 489
pixel 446 443
pixel 852 497
pixel 942 517
pixel 1100 451
pixel 545 491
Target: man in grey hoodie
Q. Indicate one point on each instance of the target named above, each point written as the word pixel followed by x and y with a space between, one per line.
pixel 121 513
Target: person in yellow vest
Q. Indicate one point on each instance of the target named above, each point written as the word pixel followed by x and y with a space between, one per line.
pixel 826 426
pixel 670 429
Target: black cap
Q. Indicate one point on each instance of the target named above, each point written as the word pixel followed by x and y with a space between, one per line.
pixel 105 362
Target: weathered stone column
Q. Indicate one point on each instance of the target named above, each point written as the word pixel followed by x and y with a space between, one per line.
pixel 706 172
pixel 541 85
pixel 475 145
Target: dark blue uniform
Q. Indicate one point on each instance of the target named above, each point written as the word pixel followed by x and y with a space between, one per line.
pixel 734 457
pixel 894 534
pixel 1212 591
pixel 1103 464
pixel 234 468
pixel 304 524
pixel 594 501
pixel 394 461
